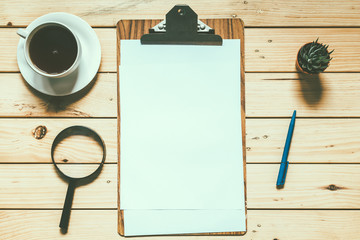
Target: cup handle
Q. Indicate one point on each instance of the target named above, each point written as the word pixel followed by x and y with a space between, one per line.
pixel 22 32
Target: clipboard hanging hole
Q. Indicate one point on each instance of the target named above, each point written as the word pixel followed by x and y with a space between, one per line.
pixel 161 26
pixel 181 11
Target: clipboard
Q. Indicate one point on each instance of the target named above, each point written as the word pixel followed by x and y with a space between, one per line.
pixel 153 32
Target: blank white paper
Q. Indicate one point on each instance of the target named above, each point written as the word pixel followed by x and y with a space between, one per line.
pixel 133 53
pixel 181 145
pixel 158 222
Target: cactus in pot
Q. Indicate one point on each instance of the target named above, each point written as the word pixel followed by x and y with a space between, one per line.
pixel 313 57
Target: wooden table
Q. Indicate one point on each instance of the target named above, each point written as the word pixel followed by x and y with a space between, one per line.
pixel 321 199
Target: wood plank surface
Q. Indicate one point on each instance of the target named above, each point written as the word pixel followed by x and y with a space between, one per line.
pixel 307 186
pixel 39 186
pixel 20 142
pixel 312 97
pixel 267 49
pixel 253 12
pixel 321 195
pixel 9 41
pixel 317 97
pixel 262 224
pixel 34 186
pixel 314 140
pixel 278 94
pixel 18 99
pixel 275 50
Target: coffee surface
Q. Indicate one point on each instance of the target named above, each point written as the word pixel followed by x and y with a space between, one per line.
pixel 53 49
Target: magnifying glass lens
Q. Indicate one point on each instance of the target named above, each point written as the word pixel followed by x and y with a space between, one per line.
pixel 78 156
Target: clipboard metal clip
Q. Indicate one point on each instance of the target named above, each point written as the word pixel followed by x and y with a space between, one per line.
pixel 181 27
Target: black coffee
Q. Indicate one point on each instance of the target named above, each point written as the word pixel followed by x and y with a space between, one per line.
pixel 53 49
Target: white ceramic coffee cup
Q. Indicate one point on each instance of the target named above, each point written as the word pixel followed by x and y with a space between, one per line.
pixel 28 35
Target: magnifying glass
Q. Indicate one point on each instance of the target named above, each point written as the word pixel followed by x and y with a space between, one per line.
pixel 78 154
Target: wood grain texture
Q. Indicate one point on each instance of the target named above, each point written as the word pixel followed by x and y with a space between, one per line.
pixel 18 99
pixel 307 186
pixel 101 224
pixel 253 12
pixel 37 186
pixel 268 95
pixel 228 29
pixel 322 97
pixel 278 94
pixel 314 140
pixel 275 50
pixel 267 49
pixel 9 41
pixel 19 145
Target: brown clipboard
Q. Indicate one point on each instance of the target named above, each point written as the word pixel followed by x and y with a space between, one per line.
pixel 232 28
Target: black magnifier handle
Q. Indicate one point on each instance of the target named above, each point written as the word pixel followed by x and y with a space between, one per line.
pixel 64 222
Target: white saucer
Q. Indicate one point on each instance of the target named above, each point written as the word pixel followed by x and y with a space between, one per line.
pixel 89 61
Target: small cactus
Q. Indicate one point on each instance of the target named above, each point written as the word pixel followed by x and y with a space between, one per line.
pixel 314 57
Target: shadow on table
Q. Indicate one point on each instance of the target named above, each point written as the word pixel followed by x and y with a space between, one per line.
pixel 311 88
pixel 54 104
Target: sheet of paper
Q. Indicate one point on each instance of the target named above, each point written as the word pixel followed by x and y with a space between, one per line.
pixel 181 145
pixel 133 53
pixel 156 222
pixel 181 135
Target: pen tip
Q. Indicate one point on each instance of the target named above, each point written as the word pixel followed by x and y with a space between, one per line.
pixel 294 114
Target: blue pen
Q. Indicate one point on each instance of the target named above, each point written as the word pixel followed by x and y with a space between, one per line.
pixel 284 162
